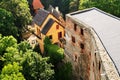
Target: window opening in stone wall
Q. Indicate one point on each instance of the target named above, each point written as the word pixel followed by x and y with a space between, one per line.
pixel 82 45
pixel 82 31
pixel 95 55
pixel 73 39
pixel 75 27
pixel 75 57
pixel 99 65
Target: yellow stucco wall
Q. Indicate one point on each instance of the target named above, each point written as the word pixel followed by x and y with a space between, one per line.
pixel 54 32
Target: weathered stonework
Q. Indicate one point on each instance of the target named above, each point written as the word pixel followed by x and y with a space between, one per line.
pixel 81 51
pixel 86 53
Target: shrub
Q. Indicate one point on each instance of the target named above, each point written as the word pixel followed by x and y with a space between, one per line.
pixel 56 53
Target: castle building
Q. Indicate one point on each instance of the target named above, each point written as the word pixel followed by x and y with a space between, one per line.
pixel 92 44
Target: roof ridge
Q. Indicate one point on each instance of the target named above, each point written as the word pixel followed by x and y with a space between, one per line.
pixel 94 8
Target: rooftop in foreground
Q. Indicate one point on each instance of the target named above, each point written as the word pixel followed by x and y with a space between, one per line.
pixel 107 28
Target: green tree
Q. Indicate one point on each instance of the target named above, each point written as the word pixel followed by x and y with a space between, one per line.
pixel 55 53
pixel 7 26
pixel 11 72
pixel 74 5
pixel 35 67
pixel 46 3
pixel 24 46
pixel 110 6
pixel 6 42
pixel 64 72
pixel 12 55
pixel 63 5
pixel 20 11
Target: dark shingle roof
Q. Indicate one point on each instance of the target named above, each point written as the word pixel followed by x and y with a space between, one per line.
pixel 40 16
pixel 47 26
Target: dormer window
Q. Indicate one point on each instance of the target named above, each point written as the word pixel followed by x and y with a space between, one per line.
pixel 75 27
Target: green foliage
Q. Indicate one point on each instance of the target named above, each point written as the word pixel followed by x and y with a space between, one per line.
pixel 11 55
pixel 56 53
pixel 47 40
pixel 37 48
pixel 6 42
pixel 19 9
pixel 35 67
pixel 63 5
pixel 46 43
pixel 110 6
pixel 74 5
pixel 7 26
pixel 11 72
pixel 46 3
pixel 24 46
pixel 64 72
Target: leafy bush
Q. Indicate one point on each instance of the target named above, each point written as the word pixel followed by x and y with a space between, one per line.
pixel 64 72
pixel 56 53
pixel 11 72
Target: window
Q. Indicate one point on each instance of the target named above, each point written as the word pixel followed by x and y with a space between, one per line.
pixel 50 37
pixel 82 45
pixel 82 32
pixel 59 35
pixel 75 27
pixel 95 55
pixel 99 65
pixel 57 26
pixel 73 39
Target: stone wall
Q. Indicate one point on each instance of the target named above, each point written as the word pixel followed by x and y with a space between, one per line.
pixel 86 53
pixel 81 50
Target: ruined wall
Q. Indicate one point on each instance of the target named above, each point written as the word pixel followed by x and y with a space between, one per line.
pixel 81 51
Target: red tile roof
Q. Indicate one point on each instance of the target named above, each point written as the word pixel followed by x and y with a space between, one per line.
pixel 37 4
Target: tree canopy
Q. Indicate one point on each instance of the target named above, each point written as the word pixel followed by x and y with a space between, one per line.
pixel 15 55
pixel 110 6
pixel 19 9
pixel 11 72
pixel 7 26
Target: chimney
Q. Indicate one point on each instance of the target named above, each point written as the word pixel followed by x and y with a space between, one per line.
pixel 57 9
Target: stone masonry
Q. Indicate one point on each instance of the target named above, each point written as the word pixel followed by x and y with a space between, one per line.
pixel 86 53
